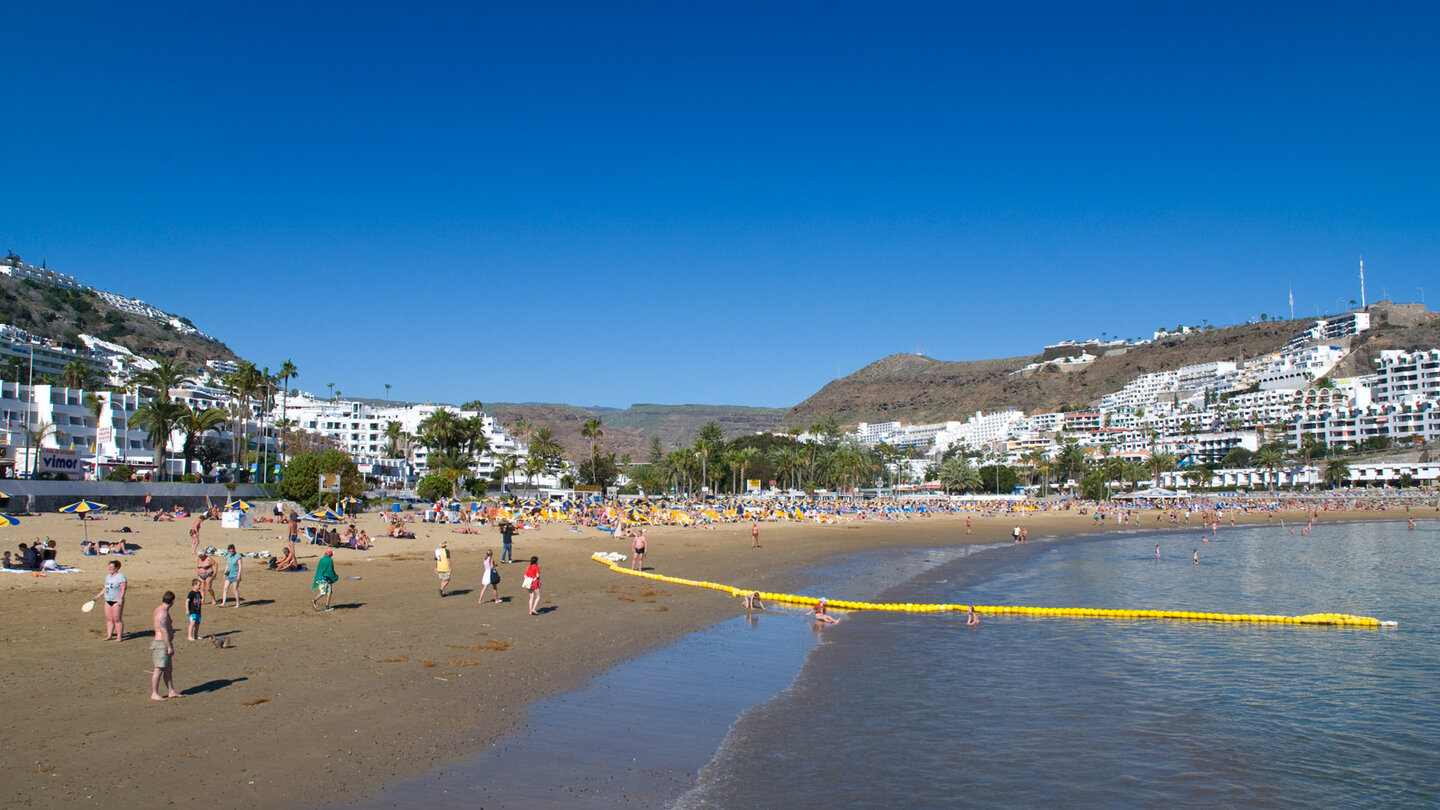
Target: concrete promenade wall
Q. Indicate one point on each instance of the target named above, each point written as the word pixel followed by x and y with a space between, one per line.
pixel 49 496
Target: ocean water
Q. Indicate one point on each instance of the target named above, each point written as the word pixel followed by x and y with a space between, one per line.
pixel 922 711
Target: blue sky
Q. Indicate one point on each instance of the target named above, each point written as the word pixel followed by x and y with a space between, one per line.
pixel 725 203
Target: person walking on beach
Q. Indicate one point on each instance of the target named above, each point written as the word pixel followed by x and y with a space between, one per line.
pixel 293 520
pixel 489 578
pixel 192 610
pixel 114 595
pixel 442 566
pixel 639 546
pixel 195 533
pixel 205 571
pixel 531 583
pixel 754 535
pixel 232 575
pixel 325 579
pixel 162 650
pixel 507 536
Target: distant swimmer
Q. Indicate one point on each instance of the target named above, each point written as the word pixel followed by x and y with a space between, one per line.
pixel 972 619
pixel 1204 539
pixel 1412 524
pixel 1157 551
pixel 1197 556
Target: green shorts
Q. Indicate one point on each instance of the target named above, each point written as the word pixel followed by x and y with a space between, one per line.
pixel 158 654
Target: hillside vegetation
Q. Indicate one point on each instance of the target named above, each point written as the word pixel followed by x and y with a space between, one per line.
pixel 911 388
pixel 61 314
pixel 629 430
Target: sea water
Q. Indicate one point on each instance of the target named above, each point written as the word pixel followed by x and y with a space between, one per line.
pixel 919 710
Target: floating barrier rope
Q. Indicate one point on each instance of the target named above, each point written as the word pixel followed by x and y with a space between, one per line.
pixel 1332 619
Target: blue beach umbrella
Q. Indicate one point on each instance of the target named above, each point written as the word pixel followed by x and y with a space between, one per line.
pixel 243 506
pixel 81 508
pixel 324 513
pixel 6 520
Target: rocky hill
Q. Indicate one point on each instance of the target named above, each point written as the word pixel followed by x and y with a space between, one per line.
pixel 62 314
pixel 911 388
pixel 629 430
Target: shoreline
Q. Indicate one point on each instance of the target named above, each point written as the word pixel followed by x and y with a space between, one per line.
pixel 311 709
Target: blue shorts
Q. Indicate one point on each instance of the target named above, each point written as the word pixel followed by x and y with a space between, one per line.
pixel 195 617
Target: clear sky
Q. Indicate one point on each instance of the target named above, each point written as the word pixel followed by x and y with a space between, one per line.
pixel 725 203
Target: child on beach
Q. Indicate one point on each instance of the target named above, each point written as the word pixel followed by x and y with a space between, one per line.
pixel 193 601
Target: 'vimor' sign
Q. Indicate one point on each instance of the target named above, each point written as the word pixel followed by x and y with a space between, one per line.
pixel 60 461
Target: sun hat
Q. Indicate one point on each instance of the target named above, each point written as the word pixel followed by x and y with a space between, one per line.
pixel 329 552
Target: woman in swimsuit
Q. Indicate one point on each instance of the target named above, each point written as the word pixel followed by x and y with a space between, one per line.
pixel 114 595
pixel 205 572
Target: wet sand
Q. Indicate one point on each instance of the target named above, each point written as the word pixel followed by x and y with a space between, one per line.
pixel 307 709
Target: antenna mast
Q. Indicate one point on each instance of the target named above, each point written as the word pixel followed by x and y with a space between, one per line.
pixel 1362 282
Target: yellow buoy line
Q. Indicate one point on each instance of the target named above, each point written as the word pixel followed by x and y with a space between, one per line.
pixel 1342 619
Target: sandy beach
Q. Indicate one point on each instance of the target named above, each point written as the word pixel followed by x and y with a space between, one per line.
pixel 308 709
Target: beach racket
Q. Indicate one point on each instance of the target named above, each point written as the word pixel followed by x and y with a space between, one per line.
pixel 88 606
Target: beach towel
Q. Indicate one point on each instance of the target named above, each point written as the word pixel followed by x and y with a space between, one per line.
pixel 41 573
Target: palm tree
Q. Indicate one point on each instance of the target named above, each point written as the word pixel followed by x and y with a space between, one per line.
pixel 1160 463
pixel 543 445
pixel 440 430
pixel 35 437
pixel 1336 472
pixel 534 465
pixel 387 392
pixel 332 391
pixel 156 417
pixel 195 424
pixel 592 430
pixel 506 465
pixel 243 386
pixel 394 434
pixel 1268 458
pixel 1200 475
pixel 958 475
pixel 166 375
pixel 75 374
pixel 287 370
pixel 450 461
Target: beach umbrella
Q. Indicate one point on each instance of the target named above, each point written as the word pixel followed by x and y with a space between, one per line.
pixel 81 508
pixel 243 506
pixel 6 520
pixel 325 513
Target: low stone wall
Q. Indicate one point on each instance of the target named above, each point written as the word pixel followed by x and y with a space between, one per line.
pixel 49 496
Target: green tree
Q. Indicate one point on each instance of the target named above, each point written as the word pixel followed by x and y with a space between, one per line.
pixel 593 430
pixel 157 417
pixel 1268 458
pixel 1160 463
pixel 121 473
pixel 301 479
pixel 76 374
pixel 1336 472
pixel 993 475
pixel 195 423
pixel 956 474
pixel 1200 475
pixel 1237 458
pixel 434 486
pixel 544 445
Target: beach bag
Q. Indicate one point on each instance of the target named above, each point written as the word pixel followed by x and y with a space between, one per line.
pixel 528 583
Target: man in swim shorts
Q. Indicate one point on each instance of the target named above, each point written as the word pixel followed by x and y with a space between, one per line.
pixel 162 650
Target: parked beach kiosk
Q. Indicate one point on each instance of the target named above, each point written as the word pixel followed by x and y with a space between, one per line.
pixel 236 519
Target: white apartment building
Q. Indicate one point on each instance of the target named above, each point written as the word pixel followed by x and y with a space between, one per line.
pixel 1214 376
pixel 49 356
pixel 29 272
pixel 1142 392
pixel 359 428
pixel 1406 378
pixel 873 433
pixel 979 431
pixel 1336 328
pixel 1297 369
